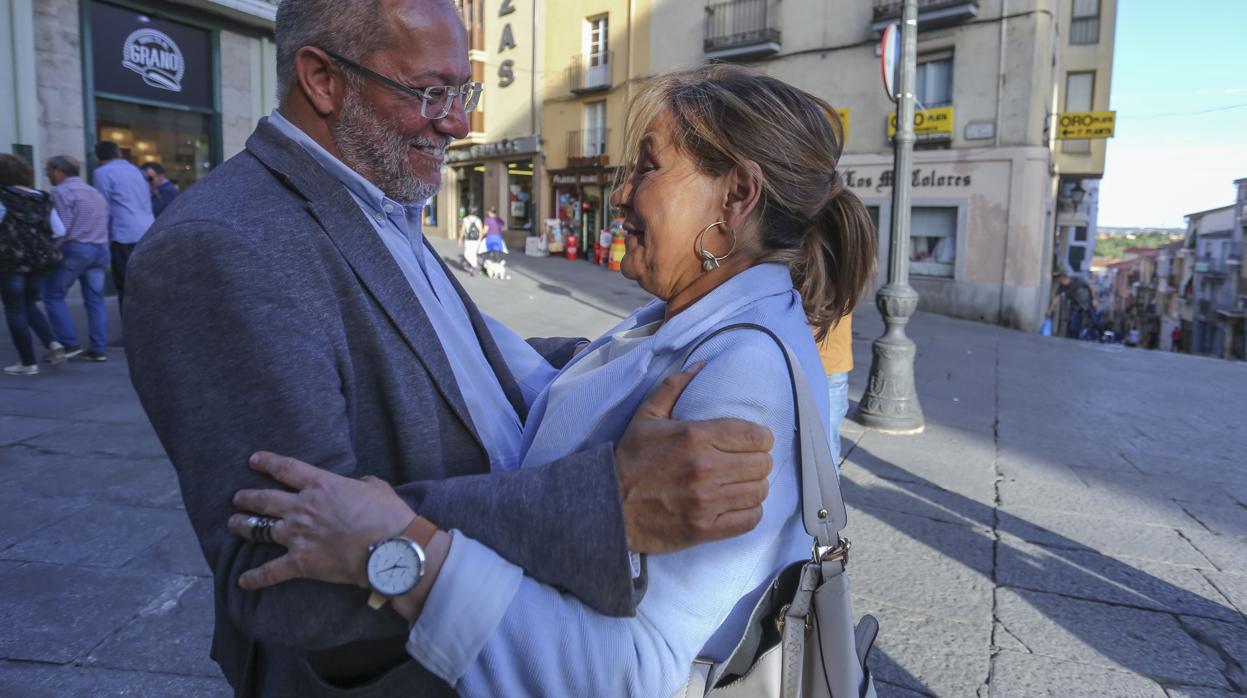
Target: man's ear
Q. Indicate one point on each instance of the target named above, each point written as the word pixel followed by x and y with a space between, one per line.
pixel 319 79
pixel 744 191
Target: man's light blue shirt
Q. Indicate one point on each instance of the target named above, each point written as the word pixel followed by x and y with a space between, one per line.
pixel 129 200
pixel 494 418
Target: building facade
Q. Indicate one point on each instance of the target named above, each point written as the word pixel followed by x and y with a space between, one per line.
pixel 499 165
pixel 1000 202
pixel 178 83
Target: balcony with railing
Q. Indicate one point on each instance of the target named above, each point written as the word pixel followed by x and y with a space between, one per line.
pixel 590 72
pixel 587 147
pixel 932 14
pixel 742 29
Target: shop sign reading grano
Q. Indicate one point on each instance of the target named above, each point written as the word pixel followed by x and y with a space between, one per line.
pixel 156 57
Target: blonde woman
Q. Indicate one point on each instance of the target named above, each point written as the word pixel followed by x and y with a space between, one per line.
pixel 734 212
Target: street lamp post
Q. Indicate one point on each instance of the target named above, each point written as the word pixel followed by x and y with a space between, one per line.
pixel 890 404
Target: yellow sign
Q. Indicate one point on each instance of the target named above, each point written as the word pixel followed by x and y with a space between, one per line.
pixel 844 121
pixel 929 124
pixel 1085 124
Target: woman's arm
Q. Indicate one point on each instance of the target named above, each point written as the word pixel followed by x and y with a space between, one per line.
pixel 548 643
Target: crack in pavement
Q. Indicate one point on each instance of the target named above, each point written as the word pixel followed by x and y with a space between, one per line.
pixel 1228 663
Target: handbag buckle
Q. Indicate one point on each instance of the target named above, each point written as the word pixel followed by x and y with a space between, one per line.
pixel 783 614
pixel 839 551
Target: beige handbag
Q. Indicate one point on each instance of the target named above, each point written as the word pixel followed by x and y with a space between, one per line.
pixel 800 641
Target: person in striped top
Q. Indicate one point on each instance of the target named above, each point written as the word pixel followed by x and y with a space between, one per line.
pixel 85 258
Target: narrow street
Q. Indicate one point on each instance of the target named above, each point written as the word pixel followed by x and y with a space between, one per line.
pixel 1073 521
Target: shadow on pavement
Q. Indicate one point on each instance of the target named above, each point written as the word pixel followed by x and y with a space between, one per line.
pixel 1166 633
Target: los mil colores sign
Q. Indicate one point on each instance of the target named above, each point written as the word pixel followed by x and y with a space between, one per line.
pixel 922 177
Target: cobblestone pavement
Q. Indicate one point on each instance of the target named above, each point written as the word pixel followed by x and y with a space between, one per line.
pixel 1073 521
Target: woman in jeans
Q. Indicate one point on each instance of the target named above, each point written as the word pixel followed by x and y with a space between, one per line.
pixel 25 212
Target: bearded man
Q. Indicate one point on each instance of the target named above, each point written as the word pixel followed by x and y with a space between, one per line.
pixel 287 302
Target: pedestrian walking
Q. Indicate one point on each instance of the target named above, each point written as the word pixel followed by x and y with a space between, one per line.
pixel 129 208
pixel 1082 300
pixel 836 352
pixel 164 191
pixel 84 258
pixel 1175 339
pixel 470 239
pixel 28 226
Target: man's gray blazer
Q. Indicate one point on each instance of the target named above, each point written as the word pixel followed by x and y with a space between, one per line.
pixel 265 313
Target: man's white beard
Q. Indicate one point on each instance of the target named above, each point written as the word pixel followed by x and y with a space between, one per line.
pixel 379 152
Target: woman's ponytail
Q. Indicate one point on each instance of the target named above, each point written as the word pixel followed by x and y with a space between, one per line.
pixel 838 258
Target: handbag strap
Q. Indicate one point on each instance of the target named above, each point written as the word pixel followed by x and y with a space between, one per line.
pixel 822 505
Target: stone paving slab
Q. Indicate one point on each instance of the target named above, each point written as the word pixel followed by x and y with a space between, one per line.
pixel 1225 644
pixel 1227 553
pixel 102 534
pixel 165 636
pixel 1022 674
pixel 147 482
pixel 128 440
pixel 1147 643
pixel 58 613
pixel 903 532
pixel 43 681
pixel 22 516
pixel 14 429
pixel 1109 536
pixel 1092 576
pixel 1074 496
pixel 1219 519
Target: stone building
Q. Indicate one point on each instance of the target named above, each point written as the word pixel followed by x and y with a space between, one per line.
pixel 499 164
pixel 178 83
pixel 1000 202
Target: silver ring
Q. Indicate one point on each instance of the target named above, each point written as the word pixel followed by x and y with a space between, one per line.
pixel 261 528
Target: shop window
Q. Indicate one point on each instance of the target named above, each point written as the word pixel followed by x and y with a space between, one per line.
pixel 1079 91
pixel 1084 26
pixel 470 180
pixel 179 140
pixel 520 215
pixel 933 240
pixel 934 82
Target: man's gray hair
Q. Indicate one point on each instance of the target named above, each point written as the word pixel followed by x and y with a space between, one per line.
pixel 64 164
pixel 352 29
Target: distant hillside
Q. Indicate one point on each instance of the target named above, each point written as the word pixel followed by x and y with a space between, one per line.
pixel 1108 231
pixel 1113 242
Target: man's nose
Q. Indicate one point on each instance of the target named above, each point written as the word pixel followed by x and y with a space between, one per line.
pixel 455 124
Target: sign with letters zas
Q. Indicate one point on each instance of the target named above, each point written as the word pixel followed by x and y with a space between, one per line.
pixel 929 124
pixel 1085 124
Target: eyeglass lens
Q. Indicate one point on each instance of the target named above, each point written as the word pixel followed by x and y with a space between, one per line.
pixel 439 100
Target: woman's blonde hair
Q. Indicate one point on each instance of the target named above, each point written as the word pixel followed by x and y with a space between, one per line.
pixel 723 116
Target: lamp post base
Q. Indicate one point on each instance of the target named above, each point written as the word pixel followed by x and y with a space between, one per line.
pixel 890 404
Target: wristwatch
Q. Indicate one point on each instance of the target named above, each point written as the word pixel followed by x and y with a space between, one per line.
pixel 395 565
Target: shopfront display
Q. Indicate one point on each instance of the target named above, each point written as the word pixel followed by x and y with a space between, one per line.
pixel 471 182
pixel 582 206
pixel 520 214
pixel 153 84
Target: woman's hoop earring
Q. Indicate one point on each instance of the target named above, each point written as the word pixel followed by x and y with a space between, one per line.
pixel 709 261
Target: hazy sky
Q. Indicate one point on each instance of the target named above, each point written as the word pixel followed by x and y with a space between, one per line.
pixel 1176 58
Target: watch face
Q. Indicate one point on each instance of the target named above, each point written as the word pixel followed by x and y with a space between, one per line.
pixel 395 566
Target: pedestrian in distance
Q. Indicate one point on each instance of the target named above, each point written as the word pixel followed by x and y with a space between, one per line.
pixel 734 213
pixel 29 225
pixel 129 208
pixel 1083 305
pixel 288 301
pixel 84 259
pixel 470 230
pixel 164 191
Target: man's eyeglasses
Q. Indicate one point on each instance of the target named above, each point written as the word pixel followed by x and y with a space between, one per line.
pixel 435 102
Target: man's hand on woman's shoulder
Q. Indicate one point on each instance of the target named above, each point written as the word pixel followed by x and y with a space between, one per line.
pixel 685 483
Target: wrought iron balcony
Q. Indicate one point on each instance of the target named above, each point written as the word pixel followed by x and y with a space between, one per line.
pixel 587 147
pixel 590 72
pixel 931 13
pixel 742 29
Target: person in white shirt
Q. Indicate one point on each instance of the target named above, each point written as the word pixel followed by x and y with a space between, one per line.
pixel 470 236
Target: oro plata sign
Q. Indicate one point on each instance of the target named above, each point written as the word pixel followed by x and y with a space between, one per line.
pixel 1085 124
pixel 929 124
pixel 156 57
